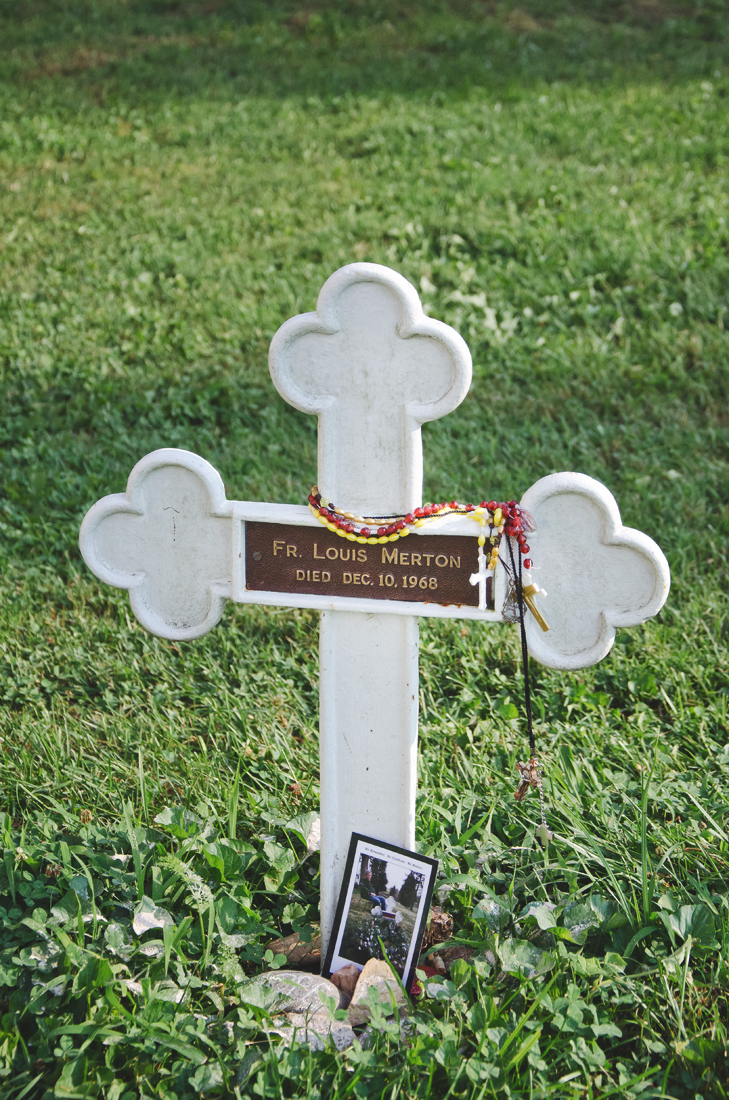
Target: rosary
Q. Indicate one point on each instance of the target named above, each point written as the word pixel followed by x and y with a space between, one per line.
pixel 495 520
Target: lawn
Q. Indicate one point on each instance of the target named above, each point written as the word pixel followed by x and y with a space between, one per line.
pixel 176 180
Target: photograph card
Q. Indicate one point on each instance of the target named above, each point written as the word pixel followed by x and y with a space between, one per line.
pixel 385 896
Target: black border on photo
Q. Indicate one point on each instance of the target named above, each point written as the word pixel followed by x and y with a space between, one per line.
pixel 426 866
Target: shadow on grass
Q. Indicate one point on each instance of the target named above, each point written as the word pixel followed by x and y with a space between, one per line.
pixel 149 50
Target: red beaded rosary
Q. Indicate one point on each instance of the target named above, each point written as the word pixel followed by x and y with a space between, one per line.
pixel 505 518
pixel 495 520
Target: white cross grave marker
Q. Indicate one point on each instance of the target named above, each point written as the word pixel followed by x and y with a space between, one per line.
pixel 373 367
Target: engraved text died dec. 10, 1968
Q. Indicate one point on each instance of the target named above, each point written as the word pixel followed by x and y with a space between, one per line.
pixel 422 568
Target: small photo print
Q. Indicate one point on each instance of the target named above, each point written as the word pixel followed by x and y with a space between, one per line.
pixel 385 897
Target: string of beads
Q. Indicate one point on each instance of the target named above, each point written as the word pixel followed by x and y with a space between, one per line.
pixel 494 518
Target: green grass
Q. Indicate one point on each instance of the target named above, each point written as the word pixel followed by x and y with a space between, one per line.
pixel 178 180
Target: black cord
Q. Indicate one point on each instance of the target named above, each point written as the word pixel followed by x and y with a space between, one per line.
pixel 524 650
pixel 401 515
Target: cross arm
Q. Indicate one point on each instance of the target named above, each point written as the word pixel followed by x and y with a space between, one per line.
pixel 167 540
pixel 598 574
pixel 181 549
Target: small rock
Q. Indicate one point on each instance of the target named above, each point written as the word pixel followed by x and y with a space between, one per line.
pixel 303 1015
pixel 298 991
pixel 376 973
pixel 303 956
pixel 314 1029
pixel 346 980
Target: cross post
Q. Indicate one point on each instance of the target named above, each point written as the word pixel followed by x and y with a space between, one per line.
pixel 373 368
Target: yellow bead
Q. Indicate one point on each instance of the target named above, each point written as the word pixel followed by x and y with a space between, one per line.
pixel 418 523
pixel 331 527
pixel 392 538
pixel 481 540
pixel 360 539
pixel 341 534
pixel 348 515
pixel 383 539
pixel 351 538
pixel 403 533
pixel 497 517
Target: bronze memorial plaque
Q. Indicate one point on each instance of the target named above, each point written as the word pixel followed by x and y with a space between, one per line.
pixel 282 557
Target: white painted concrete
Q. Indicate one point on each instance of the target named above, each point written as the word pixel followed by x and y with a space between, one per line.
pixel 373 368
pixel 598 574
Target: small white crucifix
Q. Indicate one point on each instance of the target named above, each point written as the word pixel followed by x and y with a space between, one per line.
pixel 373 368
pixel 481 578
